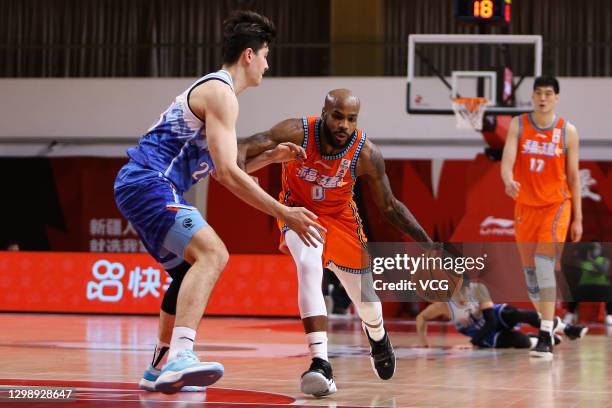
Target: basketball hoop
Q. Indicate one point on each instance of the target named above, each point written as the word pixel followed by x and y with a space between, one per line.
pixel 469 112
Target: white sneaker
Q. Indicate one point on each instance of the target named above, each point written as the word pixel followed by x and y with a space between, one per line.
pixel 609 320
pixel 569 318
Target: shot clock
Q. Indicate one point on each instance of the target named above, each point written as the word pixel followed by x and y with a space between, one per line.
pixel 494 11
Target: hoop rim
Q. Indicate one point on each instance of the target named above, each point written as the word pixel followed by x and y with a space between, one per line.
pixel 476 99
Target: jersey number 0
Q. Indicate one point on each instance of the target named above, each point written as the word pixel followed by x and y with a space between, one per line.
pixel 318 193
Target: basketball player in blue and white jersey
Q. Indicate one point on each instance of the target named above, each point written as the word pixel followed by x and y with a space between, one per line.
pixel 193 138
pixel 488 325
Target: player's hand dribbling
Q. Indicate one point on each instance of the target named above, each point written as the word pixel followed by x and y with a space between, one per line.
pixel 512 189
pixel 303 223
pixel 576 230
pixel 287 151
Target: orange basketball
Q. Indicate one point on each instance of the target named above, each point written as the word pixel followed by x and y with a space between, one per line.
pixel 436 284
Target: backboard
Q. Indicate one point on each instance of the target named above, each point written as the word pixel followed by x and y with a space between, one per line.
pixel 500 68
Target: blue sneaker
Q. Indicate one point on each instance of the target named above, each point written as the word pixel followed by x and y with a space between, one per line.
pixel 186 370
pixel 147 382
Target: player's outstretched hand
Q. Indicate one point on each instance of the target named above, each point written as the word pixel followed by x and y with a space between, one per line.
pixel 303 223
pixel 287 151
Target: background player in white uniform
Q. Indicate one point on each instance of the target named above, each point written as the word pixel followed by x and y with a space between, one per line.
pixel 194 137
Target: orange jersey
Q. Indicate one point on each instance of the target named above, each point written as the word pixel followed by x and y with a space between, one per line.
pixel 323 184
pixel 540 163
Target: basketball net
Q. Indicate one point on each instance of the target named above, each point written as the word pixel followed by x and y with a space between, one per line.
pixel 469 112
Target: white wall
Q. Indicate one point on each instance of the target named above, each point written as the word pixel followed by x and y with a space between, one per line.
pixel 125 108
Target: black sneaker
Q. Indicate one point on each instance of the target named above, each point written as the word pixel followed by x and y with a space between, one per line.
pixel 544 347
pixel 319 379
pixel 533 338
pixel 382 356
pixel 575 331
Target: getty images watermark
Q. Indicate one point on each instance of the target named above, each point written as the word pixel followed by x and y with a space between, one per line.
pixel 404 272
pixel 433 270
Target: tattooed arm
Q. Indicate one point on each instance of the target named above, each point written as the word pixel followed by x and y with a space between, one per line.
pixel 371 166
pixel 281 143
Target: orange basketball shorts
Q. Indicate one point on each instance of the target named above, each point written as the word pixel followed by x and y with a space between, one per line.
pixel 541 230
pixel 344 242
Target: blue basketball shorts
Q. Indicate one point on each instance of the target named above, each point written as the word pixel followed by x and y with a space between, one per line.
pixel 163 219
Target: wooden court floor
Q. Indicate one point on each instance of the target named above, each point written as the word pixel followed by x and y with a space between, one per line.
pixel 102 358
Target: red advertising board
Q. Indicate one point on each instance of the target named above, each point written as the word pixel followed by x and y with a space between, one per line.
pixel 257 285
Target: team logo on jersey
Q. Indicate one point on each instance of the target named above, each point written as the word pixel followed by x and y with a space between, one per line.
pixel 312 175
pixel 541 149
pixel 187 223
pixel 556 135
pixel 344 166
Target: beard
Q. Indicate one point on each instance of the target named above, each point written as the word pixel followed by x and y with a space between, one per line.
pixel 331 139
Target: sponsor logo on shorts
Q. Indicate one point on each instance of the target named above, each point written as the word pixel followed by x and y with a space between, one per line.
pixel 187 223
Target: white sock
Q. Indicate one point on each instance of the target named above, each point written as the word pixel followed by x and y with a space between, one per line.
pixel 376 333
pixel 161 351
pixel 560 325
pixel 547 326
pixel 182 338
pixel 317 344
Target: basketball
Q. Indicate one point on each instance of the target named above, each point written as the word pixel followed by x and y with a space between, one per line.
pixel 285 194
pixel 435 283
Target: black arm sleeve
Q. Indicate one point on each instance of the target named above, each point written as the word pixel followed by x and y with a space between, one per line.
pixel 486 329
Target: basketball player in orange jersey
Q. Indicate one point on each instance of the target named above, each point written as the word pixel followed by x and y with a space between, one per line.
pixel 336 152
pixel 540 171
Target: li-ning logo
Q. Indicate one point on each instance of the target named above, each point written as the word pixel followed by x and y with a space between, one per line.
pixel 187 223
pixel 322 164
pixel 496 226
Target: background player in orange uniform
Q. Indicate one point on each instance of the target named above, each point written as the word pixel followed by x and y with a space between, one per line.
pixel 540 171
pixel 336 152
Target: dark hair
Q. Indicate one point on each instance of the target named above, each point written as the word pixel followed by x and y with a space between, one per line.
pixel 245 29
pixel 546 81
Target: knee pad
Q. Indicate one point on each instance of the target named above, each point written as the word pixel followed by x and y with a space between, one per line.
pixel 545 272
pixel 533 289
pixel 170 298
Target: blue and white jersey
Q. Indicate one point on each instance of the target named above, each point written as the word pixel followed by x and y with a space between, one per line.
pixel 176 145
pixel 466 315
